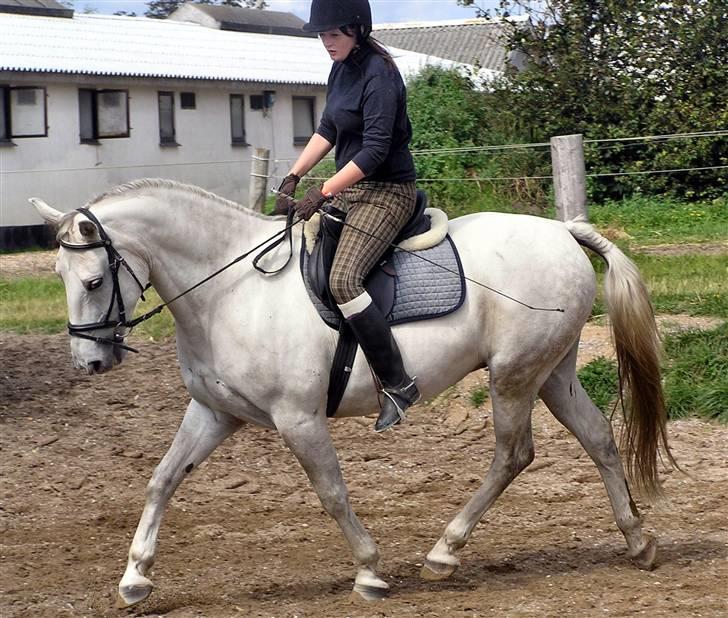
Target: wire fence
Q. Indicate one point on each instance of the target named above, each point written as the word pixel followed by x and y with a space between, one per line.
pixel 544 147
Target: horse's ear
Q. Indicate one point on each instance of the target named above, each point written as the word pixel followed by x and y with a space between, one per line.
pixel 50 215
pixel 88 229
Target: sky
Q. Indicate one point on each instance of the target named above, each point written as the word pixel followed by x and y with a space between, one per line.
pixel 384 11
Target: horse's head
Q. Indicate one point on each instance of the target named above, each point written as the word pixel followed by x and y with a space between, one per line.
pixel 103 285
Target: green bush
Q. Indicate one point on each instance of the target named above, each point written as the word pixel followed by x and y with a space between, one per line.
pixel 587 72
pixel 448 113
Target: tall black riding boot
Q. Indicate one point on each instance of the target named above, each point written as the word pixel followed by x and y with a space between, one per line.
pixel 375 337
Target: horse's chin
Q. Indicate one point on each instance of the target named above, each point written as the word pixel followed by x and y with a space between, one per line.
pixel 95 367
pixel 95 358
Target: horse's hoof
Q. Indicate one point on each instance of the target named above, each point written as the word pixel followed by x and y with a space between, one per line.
pixel 369 586
pixel 436 571
pixel 645 559
pixel 134 593
pixel 369 593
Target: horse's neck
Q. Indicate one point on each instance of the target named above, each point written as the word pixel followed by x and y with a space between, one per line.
pixel 185 237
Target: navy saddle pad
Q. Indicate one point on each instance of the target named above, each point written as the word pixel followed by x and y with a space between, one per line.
pixel 409 286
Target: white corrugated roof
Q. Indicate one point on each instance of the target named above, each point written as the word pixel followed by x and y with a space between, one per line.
pixel 142 47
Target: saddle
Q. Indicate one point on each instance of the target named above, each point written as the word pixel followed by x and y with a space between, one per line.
pixel 422 279
pixel 324 236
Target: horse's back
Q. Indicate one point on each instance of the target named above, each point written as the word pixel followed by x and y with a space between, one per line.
pixel 529 254
pixel 541 284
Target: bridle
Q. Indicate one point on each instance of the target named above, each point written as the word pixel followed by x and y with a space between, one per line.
pixel 115 261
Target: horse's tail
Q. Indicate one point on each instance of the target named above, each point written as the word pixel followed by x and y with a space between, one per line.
pixel 638 347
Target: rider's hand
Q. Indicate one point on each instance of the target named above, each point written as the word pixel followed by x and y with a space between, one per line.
pixel 286 192
pixel 311 202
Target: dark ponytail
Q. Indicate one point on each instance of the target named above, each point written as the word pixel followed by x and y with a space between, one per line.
pixel 380 50
pixel 364 37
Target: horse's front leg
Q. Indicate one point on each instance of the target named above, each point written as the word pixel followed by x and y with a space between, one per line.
pixel 201 431
pixel 307 435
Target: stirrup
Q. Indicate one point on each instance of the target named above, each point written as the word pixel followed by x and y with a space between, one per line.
pixel 396 401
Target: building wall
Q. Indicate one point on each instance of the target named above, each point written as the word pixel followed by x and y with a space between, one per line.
pixel 66 173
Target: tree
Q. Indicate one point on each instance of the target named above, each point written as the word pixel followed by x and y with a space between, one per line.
pixel 162 8
pixel 621 68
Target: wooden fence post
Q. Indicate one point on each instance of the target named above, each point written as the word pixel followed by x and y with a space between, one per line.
pixel 258 179
pixel 567 162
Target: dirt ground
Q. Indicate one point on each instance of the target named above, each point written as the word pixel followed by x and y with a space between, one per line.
pixel 246 535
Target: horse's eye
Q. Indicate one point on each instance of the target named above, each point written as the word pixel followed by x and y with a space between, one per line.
pixel 93 284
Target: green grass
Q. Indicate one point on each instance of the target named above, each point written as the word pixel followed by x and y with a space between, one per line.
pixel 690 284
pixel 640 220
pixel 38 305
pixel 33 305
pixel 650 221
pixel 478 397
pixel 695 375
pixel 600 379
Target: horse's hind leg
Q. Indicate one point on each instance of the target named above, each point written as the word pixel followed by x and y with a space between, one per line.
pixel 569 403
pixel 201 431
pixel 309 439
pixel 513 453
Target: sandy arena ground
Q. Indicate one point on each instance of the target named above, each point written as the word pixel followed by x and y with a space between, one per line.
pixel 246 536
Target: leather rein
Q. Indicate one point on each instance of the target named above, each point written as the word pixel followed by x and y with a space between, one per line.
pixel 116 260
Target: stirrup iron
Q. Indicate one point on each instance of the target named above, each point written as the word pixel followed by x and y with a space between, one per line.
pixel 396 401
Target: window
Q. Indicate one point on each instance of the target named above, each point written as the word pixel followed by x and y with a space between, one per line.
pixel 4 114
pixel 187 100
pixel 22 112
pixel 302 119
pixel 237 118
pixel 166 119
pixel 103 114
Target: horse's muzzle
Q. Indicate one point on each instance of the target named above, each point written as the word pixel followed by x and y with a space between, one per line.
pixel 95 366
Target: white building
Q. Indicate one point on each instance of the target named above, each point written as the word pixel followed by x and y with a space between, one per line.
pixel 91 101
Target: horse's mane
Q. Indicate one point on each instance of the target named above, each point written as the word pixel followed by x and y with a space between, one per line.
pixel 164 183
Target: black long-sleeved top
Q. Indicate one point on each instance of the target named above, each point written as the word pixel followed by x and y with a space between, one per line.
pixel 366 117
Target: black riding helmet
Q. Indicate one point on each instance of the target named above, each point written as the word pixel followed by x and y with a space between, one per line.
pixel 332 14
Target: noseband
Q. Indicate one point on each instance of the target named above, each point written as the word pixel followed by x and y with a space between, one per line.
pixel 115 260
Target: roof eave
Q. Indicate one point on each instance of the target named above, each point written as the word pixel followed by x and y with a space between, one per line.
pixel 36 11
pixel 159 76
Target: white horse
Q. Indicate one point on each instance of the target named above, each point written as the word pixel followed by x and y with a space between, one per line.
pixel 252 349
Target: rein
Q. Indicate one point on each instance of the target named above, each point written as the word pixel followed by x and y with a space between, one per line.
pixel 417 255
pixel 116 259
pixel 441 266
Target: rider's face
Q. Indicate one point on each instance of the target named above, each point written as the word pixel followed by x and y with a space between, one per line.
pixel 338 44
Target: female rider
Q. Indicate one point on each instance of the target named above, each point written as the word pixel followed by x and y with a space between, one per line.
pixel 366 120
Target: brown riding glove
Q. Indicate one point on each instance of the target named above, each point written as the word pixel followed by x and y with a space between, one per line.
pixel 311 202
pixel 288 191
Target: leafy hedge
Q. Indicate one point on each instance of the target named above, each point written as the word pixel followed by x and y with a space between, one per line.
pixel 602 68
